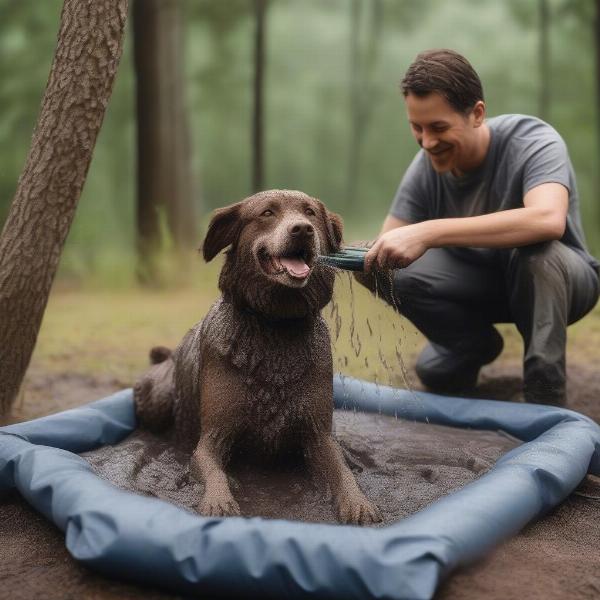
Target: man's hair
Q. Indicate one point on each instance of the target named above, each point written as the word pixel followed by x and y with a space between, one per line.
pixel 447 73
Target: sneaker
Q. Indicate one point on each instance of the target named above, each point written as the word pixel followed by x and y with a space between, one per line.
pixel 441 369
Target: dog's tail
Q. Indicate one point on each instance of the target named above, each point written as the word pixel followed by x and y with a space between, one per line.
pixel 154 392
pixel 159 354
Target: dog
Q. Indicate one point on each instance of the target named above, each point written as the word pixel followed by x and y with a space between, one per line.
pixel 257 371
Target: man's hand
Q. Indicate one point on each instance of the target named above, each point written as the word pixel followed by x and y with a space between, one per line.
pixel 398 248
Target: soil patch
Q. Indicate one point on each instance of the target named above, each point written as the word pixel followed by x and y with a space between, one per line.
pixel 402 467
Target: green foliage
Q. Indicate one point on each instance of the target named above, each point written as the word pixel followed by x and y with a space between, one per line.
pixel 308 105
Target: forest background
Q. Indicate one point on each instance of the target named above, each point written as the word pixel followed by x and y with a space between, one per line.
pixel 273 94
pixel 333 117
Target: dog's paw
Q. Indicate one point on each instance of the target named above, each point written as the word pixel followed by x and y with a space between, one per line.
pixel 357 511
pixel 219 506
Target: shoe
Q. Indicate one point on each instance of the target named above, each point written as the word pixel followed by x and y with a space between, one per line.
pixel 545 387
pixel 442 369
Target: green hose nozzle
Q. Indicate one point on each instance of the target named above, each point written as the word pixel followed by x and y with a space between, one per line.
pixel 349 259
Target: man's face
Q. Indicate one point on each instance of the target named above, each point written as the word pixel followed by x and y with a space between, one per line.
pixel 449 137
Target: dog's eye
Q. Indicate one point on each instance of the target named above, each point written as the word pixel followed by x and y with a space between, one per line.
pixel 310 212
pixel 266 213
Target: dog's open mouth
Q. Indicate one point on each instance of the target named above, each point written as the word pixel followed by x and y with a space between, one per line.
pixel 295 264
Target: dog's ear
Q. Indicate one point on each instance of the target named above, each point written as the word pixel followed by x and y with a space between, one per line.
pixel 335 228
pixel 223 230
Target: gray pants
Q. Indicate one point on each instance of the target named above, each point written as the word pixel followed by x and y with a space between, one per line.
pixel 454 295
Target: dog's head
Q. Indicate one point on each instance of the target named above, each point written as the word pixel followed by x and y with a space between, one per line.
pixel 274 238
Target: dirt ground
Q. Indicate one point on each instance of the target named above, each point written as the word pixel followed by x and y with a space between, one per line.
pixel 555 558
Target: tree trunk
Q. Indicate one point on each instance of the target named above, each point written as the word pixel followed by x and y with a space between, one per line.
pixel 363 61
pixel 544 59
pixel 77 93
pixel 164 182
pixel 355 104
pixel 257 120
pixel 597 52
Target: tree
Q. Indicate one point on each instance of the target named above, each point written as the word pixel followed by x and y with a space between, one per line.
pixel 363 60
pixel 257 120
pixel 164 188
pixel 544 59
pixel 79 86
pixel 597 52
pixel 588 15
pixel 538 16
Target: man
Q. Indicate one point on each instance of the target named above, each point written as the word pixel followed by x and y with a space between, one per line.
pixel 484 228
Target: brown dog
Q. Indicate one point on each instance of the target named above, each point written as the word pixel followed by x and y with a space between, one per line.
pixel 257 371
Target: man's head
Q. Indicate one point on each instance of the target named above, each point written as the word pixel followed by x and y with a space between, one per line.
pixel 445 106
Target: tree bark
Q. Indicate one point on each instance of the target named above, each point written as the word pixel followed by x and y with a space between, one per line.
pixel 544 59
pixel 597 52
pixel 363 61
pixel 77 93
pixel 164 182
pixel 257 120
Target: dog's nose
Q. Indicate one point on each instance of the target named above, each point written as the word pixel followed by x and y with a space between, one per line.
pixel 301 230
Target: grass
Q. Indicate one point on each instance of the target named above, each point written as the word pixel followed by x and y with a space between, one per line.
pixel 100 333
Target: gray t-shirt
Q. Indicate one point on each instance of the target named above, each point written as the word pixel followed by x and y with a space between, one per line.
pixel 524 152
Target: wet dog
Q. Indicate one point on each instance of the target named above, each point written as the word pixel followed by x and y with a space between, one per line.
pixel 256 372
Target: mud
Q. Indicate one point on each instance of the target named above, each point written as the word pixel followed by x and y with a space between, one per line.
pixel 395 462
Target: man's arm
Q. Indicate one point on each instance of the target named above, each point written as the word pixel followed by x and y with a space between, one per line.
pixel 542 218
pixel 392 222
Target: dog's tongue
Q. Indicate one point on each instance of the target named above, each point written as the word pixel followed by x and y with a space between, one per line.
pixel 296 267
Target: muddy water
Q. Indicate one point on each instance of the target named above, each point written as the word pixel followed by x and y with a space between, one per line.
pixel 401 466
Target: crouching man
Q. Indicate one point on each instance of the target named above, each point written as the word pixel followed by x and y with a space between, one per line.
pixel 485 228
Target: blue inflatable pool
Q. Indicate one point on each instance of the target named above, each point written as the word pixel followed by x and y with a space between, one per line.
pixel 147 540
